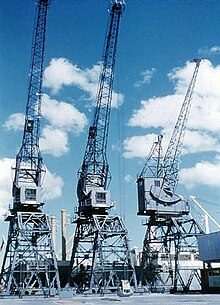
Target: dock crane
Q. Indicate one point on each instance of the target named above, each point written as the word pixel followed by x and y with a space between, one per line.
pixel 101 258
pixel 169 224
pixel 29 264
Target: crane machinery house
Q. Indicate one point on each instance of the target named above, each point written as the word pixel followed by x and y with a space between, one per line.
pixel 152 199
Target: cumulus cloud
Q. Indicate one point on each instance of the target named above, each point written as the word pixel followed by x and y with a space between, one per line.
pixel 138 146
pixel 194 142
pixel 146 77
pixel 63 115
pixel 200 141
pixel 162 112
pixel 206 83
pixel 156 112
pixel 52 186
pixel 159 111
pixel 15 122
pixel 203 173
pixel 54 141
pixel 61 72
pixel 62 118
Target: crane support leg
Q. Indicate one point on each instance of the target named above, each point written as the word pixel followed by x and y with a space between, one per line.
pixel 29 265
pixel 101 257
pixel 166 239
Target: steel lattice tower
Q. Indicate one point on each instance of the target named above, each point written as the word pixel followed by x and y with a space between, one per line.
pixel 101 257
pixel 29 264
pixel 165 239
pixel 170 227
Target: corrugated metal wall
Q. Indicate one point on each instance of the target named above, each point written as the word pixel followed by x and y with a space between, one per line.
pixel 209 247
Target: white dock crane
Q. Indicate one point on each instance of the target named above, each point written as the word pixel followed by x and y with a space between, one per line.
pixel 169 224
pixel 101 259
pixel 29 264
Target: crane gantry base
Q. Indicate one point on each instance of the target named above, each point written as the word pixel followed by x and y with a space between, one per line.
pixel 101 258
pixel 29 265
pixel 166 239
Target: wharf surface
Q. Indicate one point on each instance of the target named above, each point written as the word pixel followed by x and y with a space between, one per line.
pixel 136 299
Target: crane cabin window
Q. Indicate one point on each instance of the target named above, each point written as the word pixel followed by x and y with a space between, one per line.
pixel 141 182
pixel 157 183
pixel 101 197
pixel 30 194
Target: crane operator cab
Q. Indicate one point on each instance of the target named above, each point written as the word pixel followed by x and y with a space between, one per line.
pixel 27 195
pixel 30 195
pixel 96 200
pixel 154 199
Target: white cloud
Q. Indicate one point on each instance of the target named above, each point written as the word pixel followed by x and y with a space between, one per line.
pixel 209 51
pixel 194 142
pixel 52 186
pixel 15 122
pixel 63 118
pixel 63 115
pixel 117 99
pixel 138 146
pixel 204 117
pixel 146 77
pixel 206 83
pixel 200 141
pixel 61 72
pixel 54 141
pixel 5 184
pixel 203 173
pixel 157 112
pixel 215 49
pixel 128 178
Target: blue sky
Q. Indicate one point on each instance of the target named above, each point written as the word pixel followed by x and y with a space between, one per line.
pixel 157 41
